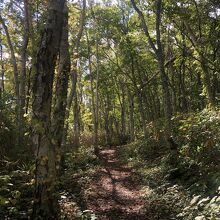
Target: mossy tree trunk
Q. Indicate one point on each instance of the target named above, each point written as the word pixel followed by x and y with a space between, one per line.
pixel 45 203
pixel 63 73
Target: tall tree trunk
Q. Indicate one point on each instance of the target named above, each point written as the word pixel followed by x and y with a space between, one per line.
pixel 74 70
pixel 203 63
pixel 33 39
pixel 107 121
pixel 28 90
pixel 14 64
pixel 76 112
pixel 63 72
pixel 123 115
pixel 207 81
pixel 158 51
pixel 95 137
pixel 2 69
pixel 22 85
pixel 163 75
pixel 96 107
pixel 77 100
pixel 139 96
pixel 165 85
pixel 142 113
pixel 131 115
pixel 45 203
pixel 184 104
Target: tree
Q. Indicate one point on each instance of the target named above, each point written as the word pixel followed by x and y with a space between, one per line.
pixel 45 204
pixel 158 50
pixel 74 74
pixel 14 63
pixel 59 110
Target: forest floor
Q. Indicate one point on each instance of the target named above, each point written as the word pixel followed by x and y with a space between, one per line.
pixel 119 187
pixel 114 192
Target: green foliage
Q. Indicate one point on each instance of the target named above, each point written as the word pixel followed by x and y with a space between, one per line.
pixel 81 159
pixel 16 192
pixel 143 149
pixel 163 200
pixel 196 171
pixel 198 136
pixel 165 205
pixel 201 208
pixel 8 129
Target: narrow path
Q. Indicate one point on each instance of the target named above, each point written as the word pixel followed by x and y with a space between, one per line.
pixel 114 193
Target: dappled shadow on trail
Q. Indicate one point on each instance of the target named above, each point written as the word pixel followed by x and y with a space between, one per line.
pixel 114 192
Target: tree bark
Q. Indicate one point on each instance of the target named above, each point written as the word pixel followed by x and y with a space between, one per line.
pixel 2 69
pixel 45 203
pixel 63 73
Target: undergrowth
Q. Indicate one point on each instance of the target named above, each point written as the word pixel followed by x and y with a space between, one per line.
pixel 16 191
pixel 170 190
pixel 80 167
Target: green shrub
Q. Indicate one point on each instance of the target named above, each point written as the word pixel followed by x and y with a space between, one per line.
pixel 16 193
pixel 82 158
pixel 198 135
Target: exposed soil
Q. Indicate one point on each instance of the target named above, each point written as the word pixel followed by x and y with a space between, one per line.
pixel 114 193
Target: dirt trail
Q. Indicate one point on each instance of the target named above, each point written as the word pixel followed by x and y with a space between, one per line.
pixel 114 193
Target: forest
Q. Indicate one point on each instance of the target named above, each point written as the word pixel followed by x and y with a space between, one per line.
pixel 110 109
